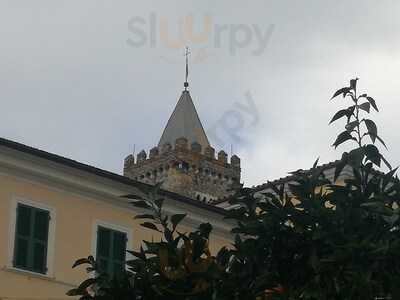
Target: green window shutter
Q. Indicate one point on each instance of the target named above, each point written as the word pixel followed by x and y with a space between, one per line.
pixel 103 248
pixel 22 236
pixel 119 252
pixel 31 238
pixel 40 240
pixel 111 250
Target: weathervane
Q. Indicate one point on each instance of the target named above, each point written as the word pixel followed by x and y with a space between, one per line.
pixel 186 84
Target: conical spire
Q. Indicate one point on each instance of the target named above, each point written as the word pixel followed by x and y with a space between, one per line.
pixel 184 122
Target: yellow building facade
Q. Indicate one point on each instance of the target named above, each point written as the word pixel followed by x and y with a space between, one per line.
pixel 67 203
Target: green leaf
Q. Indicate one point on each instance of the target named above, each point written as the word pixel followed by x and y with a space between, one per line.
pixel 87 283
pixel 374 204
pixel 238 240
pixel 141 204
pixel 368 167
pixel 205 229
pixel 168 235
pixel 315 163
pixel 341 113
pixel 373 154
pixel 373 103
pixel 372 129
pixel 344 136
pixel 340 166
pixel 350 111
pixel 380 140
pixel 223 256
pixel 133 196
pixel 151 247
pixel 159 202
pixel 144 216
pixel 74 292
pixel 365 106
pixel 176 219
pixel 391 219
pixel 91 259
pixel 353 83
pixel 136 265
pixel 343 91
pixel 388 177
pixel 356 157
pixel 378 207
pixel 82 289
pixel 150 226
pixel 140 255
pixel 386 162
pixel 81 262
pixel 350 126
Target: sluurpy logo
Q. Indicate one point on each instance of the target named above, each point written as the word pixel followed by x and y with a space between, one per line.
pixel 159 31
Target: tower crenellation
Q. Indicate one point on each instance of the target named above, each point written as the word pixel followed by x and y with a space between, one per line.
pixel 187 171
pixel 209 152
pixel 142 156
pixel 153 153
pixel 181 144
pixel 223 157
pixel 235 161
pixel 166 148
pixel 195 147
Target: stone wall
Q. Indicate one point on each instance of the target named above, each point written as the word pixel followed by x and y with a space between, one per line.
pixel 186 169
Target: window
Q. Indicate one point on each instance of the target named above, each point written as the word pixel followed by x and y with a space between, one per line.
pixel 185 166
pixel 111 250
pixel 31 239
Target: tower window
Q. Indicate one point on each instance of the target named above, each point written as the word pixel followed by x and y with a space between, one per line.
pixel 185 166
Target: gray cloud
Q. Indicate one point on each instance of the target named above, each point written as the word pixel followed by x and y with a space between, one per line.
pixel 70 84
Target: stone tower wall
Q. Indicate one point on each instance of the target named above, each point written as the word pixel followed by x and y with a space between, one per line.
pixel 187 170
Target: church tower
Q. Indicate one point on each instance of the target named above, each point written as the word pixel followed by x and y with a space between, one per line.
pixel 184 160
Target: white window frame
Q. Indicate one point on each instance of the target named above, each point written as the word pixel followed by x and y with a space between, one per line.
pixel 116 227
pixel 50 240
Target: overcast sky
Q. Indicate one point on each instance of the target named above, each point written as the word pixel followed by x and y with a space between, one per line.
pixel 90 79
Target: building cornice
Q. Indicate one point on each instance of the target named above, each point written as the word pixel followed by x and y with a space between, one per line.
pixel 63 174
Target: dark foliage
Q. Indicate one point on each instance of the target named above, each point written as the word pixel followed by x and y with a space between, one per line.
pixel 311 239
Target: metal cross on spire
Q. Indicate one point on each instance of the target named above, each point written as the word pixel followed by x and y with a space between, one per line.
pixel 186 84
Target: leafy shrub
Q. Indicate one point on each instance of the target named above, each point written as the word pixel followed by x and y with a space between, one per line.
pixel 313 238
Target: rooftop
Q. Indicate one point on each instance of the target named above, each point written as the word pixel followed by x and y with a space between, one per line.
pixel 103 173
pixel 184 122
